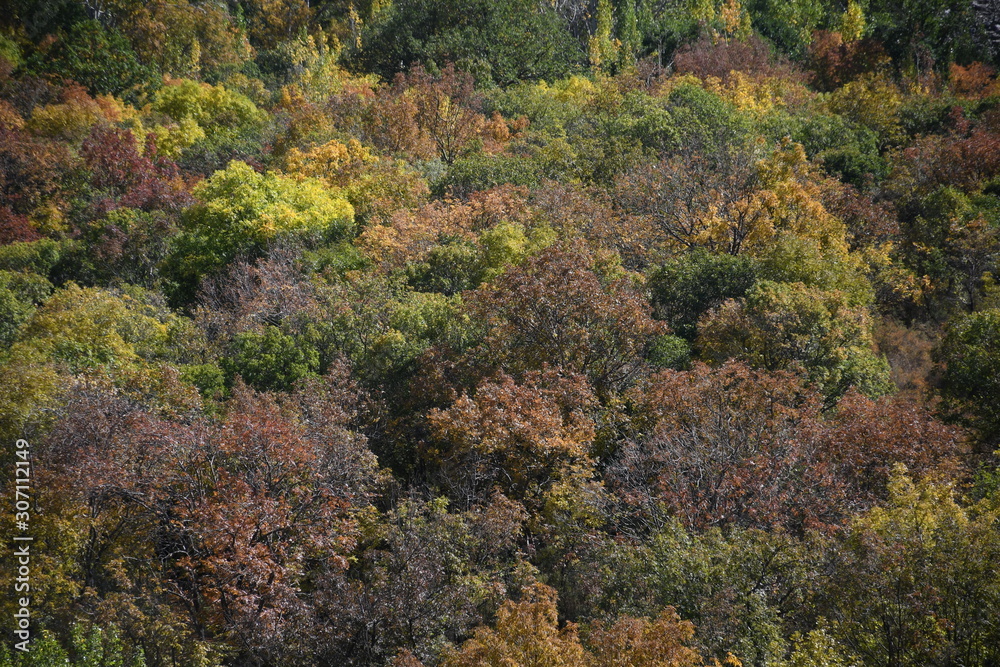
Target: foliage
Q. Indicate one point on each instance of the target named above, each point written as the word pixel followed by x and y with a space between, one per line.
pixel 781 326
pixel 694 283
pixel 98 57
pixel 969 351
pixel 899 605
pixel 447 332
pixel 555 310
pixel 239 212
pixel 510 41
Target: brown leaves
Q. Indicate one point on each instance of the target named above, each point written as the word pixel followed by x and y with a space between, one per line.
pixel 556 310
pixel 733 446
pixel 519 436
pixel 726 447
pixel 233 516
pixel 639 642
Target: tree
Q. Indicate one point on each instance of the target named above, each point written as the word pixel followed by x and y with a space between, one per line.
pixel 522 438
pixel 725 447
pixel 919 586
pixel 232 528
pixel 696 203
pixel 972 363
pixel 97 57
pixel 272 360
pixel 20 294
pixel 782 326
pixel 424 573
pixel 741 588
pixel 639 642
pixel 422 111
pixel 696 282
pixel 239 212
pixel 205 126
pixel 527 633
pixel 555 309
pixel 186 40
pixel 499 43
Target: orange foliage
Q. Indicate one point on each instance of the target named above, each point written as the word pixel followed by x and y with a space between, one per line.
pixel 976 81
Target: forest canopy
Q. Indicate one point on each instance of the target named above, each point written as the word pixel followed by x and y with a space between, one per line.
pixel 447 333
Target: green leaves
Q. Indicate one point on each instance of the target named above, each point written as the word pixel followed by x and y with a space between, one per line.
pixel 971 352
pixel 240 212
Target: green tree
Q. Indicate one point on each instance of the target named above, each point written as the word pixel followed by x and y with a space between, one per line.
pixel 500 43
pixel 20 293
pixel 97 57
pixel 685 288
pixel 239 212
pixel 971 354
pixel 784 326
pixel 272 360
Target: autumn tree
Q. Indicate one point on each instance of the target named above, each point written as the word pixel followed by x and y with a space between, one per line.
pixel 238 212
pixel 520 437
pixel 781 326
pixel 725 447
pixel 919 584
pixel 526 633
pixel 556 309
pixel 696 203
pixel 236 524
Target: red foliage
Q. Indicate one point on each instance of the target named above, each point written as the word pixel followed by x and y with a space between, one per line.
pixel 14 227
pixel 708 57
pixel 869 222
pixel 865 438
pixel 962 159
pixel 975 81
pixel 237 518
pixel 128 178
pixel 834 62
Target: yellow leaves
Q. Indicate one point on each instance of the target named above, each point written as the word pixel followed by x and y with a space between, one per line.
pixel 601 47
pixel 171 140
pixel 735 21
pixel 794 201
pixel 9 117
pixel 755 94
pixel 72 118
pixel 527 633
pixel 639 642
pixel 334 163
pixel 577 90
pixel 410 234
pixel 88 326
pixel 238 204
pixel 927 504
pixel 873 101
pixel 852 23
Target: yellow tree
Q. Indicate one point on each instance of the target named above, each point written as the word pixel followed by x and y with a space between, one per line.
pixel 527 634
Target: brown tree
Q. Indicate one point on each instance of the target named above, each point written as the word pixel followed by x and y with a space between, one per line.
pixel 556 309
